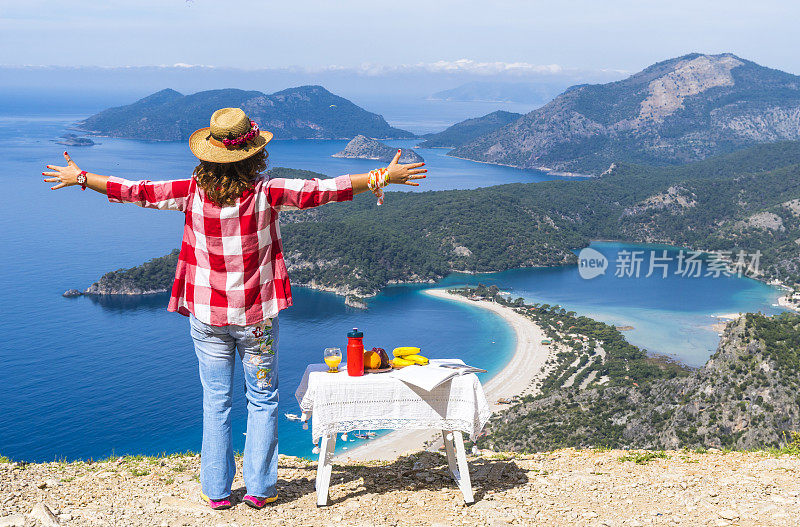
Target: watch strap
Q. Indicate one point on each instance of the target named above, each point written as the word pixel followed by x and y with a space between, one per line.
pixel 85 179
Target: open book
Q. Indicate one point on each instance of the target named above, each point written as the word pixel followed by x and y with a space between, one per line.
pixel 435 373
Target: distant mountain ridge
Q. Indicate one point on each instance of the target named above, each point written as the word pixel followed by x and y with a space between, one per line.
pixel 304 112
pixel 676 111
pixel 469 130
pixel 497 91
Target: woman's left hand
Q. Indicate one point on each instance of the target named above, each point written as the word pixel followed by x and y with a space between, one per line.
pixel 65 176
pixel 404 174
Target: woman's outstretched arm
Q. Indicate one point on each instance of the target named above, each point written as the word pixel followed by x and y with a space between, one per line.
pixel 68 176
pixel 293 194
pixel 398 174
pixel 163 195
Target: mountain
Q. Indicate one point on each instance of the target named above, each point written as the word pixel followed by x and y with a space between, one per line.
pixel 680 110
pixel 744 397
pixel 744 201
pixel 469 130
pixel 361 147
pixel 305 112
pixel 485 91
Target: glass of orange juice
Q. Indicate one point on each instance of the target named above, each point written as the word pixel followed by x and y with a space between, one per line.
pixel 333 356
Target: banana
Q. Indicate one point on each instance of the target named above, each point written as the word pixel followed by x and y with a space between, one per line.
pixel 405 350
pixel 399 362
pixel 417 359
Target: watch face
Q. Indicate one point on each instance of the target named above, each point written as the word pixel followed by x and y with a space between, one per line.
pixel 81 179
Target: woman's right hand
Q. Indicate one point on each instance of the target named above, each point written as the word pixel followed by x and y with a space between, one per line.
pixel 404 174
pixel 65 176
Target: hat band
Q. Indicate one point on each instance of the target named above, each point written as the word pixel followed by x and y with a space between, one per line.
pixel 238 141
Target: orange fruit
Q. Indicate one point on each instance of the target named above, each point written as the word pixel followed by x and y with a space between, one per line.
pixel 372 360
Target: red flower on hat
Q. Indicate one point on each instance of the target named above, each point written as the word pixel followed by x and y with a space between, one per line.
pixel 245 137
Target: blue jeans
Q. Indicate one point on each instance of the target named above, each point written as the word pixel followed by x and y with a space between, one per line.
pixel 216 348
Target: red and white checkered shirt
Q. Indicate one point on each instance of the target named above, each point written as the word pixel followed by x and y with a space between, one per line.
pixel 230 268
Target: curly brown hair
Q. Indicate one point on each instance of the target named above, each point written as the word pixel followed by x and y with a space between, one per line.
pixel 224 183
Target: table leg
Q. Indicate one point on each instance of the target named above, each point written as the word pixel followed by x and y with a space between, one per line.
pixel 451 453
pixel 324 468
pixel 457 461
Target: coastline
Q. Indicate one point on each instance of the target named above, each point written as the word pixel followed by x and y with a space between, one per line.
pixel 785 301
pixel 549 170
pixel 516 378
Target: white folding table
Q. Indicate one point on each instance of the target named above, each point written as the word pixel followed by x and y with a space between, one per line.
pixel 338 403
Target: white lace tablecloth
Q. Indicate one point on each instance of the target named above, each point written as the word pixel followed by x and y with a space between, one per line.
pixel 339 403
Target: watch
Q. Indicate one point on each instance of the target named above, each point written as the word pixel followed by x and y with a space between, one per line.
pixel 82 180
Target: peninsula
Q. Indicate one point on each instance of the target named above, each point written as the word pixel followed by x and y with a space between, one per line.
pixel 608 393
pixel 362 147
pixel 744 201
pixel 611 394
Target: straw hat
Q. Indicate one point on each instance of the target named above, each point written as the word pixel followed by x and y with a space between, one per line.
pixel 231 137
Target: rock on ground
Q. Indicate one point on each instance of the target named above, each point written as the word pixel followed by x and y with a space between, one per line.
pixel 561 488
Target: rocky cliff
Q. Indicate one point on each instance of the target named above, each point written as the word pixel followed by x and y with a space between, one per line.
pixel 304 112
pixel 679 110
pixel 362 147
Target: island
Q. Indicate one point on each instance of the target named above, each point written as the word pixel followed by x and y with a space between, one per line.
pixel 363 147
pixel 74 140
pixel 303 112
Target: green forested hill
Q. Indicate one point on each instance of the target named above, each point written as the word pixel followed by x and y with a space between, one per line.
pixel 744 397
pixel 740 201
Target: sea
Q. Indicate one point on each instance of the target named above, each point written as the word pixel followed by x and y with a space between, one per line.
pixel 92 377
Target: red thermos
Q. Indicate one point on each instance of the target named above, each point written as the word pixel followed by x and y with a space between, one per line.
pixel 355 353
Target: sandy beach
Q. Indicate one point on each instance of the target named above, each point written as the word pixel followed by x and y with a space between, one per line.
pixel 785 301
pixel 723 320
pixel 516 378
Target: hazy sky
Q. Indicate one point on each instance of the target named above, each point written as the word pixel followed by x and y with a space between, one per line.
pixel 571 34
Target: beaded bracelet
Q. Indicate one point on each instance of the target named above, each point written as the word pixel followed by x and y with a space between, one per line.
pixel 377 179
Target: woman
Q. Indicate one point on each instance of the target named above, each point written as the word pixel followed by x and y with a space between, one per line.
pixel 231 280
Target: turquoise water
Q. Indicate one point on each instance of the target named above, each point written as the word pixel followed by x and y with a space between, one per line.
pixel 86 377
pixel 670 316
